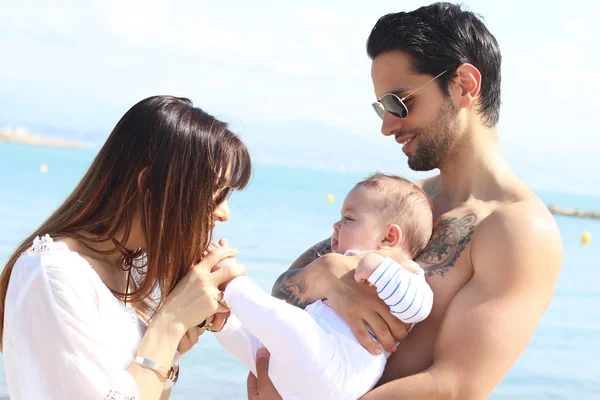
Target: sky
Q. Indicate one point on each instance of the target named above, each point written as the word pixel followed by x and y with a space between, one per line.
pixel 295 74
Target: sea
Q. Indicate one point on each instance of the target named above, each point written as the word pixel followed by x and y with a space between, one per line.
pixel 285 210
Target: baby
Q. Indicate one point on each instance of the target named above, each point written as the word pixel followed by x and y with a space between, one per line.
pixel 314 354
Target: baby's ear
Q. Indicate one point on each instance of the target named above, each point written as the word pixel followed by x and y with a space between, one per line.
pixel 393 236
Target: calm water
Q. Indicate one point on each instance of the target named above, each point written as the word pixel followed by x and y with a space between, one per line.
pixel 283 212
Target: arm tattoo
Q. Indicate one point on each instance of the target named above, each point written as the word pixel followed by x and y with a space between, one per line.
pixel 323 248
pixel 291 287
pixel 448 241
pixel 312 254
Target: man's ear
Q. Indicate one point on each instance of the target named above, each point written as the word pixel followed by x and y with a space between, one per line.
pixel 393 236
pixel 468 83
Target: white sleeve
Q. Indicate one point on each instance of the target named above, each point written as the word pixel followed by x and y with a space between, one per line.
pixel 239 342
pixel 53 338
pixel 407 294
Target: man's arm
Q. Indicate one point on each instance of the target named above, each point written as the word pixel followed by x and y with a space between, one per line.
pixel 331 277
pixel 316 251
pixel 516 257
pixel 291 285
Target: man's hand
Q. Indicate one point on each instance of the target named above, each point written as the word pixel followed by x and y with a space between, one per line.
pixel 356 303
pixel 261 387
pixel 361 308
pixel 331 277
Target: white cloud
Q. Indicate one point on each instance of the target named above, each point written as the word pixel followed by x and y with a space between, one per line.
pixel 577 27
pixel 59 19
pixel 303 62
pixel 84 62
pixel 321 17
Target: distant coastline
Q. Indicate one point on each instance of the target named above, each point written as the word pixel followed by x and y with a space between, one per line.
pixel 571 212
pixel 22 135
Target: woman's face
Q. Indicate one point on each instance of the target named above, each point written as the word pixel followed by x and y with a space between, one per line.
pixel 221 198
pixel 221 212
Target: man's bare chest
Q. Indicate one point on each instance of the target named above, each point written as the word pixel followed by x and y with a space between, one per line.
pixel 446 259
pixel 450 238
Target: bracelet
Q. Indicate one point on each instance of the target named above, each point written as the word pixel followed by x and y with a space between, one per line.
pixel 172 373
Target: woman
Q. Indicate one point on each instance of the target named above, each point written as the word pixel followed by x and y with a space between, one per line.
pixel 99 298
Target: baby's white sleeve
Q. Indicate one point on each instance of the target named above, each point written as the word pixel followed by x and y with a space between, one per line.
pixel 406 293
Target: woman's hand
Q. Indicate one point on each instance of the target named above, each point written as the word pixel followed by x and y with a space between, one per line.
pixel 189 340
pixel 216 322
pixel 197 297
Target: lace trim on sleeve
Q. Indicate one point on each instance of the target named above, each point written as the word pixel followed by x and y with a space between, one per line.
pixel 118 395
pixel 44 244
pixel 123 389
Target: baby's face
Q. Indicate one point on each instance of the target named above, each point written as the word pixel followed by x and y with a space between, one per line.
pixel 360 227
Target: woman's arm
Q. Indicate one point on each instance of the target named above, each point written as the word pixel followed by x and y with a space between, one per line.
pixel 158 345
pixel 194 299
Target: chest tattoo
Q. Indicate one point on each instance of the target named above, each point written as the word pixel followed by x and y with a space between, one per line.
pixel 448 241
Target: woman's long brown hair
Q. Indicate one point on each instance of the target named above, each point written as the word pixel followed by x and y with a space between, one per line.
pixel 164 160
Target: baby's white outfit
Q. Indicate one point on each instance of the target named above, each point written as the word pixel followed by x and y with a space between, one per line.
pixel 314 354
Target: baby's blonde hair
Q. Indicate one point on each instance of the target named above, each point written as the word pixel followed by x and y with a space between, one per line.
pixel 405 204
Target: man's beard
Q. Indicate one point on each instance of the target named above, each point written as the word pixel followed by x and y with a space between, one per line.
pixel 435 140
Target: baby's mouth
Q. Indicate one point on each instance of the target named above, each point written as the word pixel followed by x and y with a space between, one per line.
pixel 334 244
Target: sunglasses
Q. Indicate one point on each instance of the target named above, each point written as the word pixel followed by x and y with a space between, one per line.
pixel 393 104
pixel 223 195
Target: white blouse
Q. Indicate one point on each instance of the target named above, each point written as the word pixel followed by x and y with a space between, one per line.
pixel 66 336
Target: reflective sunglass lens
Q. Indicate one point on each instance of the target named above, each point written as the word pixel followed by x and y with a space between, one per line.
pixel 394 106
pixel 223 195
pixel 379 109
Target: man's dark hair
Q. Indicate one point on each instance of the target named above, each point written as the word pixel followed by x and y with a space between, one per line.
pixel 441 37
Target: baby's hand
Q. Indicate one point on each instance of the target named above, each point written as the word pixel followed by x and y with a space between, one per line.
pixel 366 266
pixel 222 263
pixel 370 262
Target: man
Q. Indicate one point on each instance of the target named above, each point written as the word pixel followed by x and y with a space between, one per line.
pixel 496 252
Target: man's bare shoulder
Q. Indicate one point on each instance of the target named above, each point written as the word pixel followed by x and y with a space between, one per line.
pixel 429 185
pixel 518 230
pixel 523 211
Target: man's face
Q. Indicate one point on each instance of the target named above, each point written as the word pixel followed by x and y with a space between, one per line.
pixel 432 125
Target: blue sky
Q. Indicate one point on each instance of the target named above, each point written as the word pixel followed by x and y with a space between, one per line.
pixel 286 74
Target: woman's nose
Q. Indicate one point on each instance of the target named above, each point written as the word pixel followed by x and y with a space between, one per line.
pixel 222 212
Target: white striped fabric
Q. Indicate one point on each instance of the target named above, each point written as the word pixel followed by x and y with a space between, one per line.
pixel 407 294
